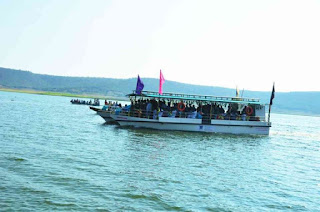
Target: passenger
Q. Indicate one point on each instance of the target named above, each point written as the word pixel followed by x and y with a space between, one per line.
pixel 155 114
pixel 117 111
pixel 154 104
pixel 222 110
pixel 160 113
pixel 127 108
pixel 165 113
pixel 199 109
pixel 232 116
pixel 163 105
pixel 229 109
pixel 187 109
pixel 173 114
pixel 244 110
pixel 148 109
pixel 143 107
pixel 243 116
pixel 193 115
pixel 199 116
pixel 193 109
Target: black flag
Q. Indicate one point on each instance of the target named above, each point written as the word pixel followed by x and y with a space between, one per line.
pixel 272 95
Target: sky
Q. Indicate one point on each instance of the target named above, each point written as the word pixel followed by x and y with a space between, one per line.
pixel 248 43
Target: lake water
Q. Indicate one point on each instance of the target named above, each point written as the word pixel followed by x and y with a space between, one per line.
pixel 59 156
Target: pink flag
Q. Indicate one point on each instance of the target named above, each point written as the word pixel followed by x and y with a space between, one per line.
pixel 161 82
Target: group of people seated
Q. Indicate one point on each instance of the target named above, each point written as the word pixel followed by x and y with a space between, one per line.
pixel 111 103
pixel 95 102
pixel 113 106
pixel 153 109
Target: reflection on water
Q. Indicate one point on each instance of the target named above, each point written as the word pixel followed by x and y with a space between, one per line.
pixel 59 156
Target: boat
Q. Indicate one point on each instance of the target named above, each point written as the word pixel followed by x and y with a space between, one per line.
pixel 94 108
pixel 195 113
pixel 95 102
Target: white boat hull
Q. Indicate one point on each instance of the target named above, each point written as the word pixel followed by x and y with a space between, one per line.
pixel 105 115
pixel 195 125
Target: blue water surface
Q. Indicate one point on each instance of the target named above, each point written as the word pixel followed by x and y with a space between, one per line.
pixel 59 156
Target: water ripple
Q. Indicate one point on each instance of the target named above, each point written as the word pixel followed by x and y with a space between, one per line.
pixel 63 157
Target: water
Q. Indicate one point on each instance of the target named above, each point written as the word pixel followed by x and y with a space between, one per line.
pixel 59 156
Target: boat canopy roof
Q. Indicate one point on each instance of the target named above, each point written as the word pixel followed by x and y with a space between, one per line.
pixel 191 97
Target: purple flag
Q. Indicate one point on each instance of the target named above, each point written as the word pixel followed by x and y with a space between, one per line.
pixel 140 86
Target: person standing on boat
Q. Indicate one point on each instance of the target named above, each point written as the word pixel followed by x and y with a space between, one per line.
pixel 199 112
pixel 148 109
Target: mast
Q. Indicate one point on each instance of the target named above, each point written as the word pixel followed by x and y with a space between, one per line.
pixel 269 113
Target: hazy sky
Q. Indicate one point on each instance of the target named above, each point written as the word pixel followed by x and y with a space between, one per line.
pixel 218 43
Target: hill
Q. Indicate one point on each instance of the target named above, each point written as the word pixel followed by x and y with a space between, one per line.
pixel 306 103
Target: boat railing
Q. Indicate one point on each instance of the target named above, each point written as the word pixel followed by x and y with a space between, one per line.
pixel 181 96
pixel 181 114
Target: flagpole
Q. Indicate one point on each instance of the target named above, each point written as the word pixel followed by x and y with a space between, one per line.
pixel 269 113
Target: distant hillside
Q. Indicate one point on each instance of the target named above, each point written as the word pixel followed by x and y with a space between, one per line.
pixel 292 102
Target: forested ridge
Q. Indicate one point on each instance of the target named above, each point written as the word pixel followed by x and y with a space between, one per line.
pixel 306 103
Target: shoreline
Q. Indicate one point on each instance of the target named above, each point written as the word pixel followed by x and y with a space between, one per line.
pixel 50 93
